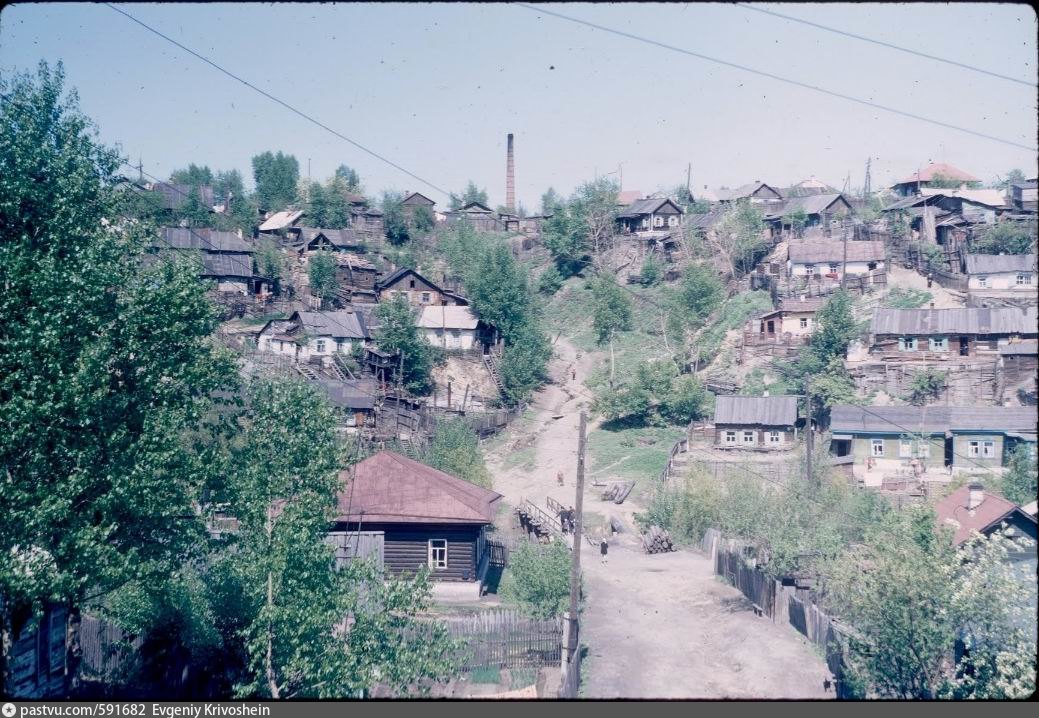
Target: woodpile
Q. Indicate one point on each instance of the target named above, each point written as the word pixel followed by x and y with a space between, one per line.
pixel 618 491
pixel 657 540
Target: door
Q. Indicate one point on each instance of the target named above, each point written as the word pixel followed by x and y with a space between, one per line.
pixel 771 327
pixel 948 451
pixel 964 346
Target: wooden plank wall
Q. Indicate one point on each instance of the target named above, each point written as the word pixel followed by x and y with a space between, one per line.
pixel 37 656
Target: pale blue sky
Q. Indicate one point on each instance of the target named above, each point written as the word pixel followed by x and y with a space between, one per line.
pixel 436 87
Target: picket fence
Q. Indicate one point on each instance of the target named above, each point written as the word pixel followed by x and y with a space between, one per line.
pixel 506 639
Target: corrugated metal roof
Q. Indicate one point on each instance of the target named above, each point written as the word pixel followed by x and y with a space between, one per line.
pixel 281 220
pixel 208 240
pixel 390 488
pixel 764 410
pixel 995 263
pixel 811 204
pixel 342 324
pixel 801 304
pixel 969 320
pixel 729 195
pixel 349 394
pixel 335 237
pixel 988 197
pixel 227 265
pixel 828 250
pixel 647 206
pixel 931 419
pixel 447 318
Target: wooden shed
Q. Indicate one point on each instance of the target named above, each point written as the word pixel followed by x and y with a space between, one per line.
pixel 427 518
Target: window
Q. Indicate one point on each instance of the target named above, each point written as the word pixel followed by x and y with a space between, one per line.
pixel 339 346
pixel 774 437
pixel 425 297
pixel 983 281
pixel 658 221
pixel 411 284
pixel 939 344
pixel 974 448
pixel 749 437
pixel 871 266
pixel 910 448
pixel 437 553
pixel 320 346
pixel 988 449
pixel 267 344
pixel 907 344
pixel 809 269
pixel 730 437
pixel 876 447
pixel 803 322
pixel 834 268
pixel 672 221
pixel 1023 280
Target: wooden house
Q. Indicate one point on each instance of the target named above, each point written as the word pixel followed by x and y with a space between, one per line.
pixel 477 215
pixel 1024 196
pixel 419 291
pixel 821 210
pixel 174 197
pixel 929 334
pixel 352 399
pixel 925 177
pixel 281 222
pixel 971 509
pixel 815 259
pixel 757 193
pixel 356 273
pixel 761 423
pixel 794 317
pixel 1013 272
pixel 428 519
pixel 227 258
pixel 453 328
pixel 935 439
pixel 414 200
pixel 315 239
pixel 650 215
pixel 307 336
pixel 531 224
pixel 35 657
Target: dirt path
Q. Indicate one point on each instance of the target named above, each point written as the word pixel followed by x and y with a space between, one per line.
pixel 657 626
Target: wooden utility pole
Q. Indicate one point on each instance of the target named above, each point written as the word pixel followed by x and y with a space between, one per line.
pixel 844 261
pixel 572 643
pixel 809 434
pixel 689 178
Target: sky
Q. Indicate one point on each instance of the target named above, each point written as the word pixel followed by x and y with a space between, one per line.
pixel 436 88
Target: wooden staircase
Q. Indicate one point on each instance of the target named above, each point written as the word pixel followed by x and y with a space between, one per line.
pixel 307 370
pixel 490 360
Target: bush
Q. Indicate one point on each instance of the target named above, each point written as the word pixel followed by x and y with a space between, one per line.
pixel 926 384
pixel 550 280
pixel 538 578
pixel 455 449
pixel 652 271
pixel 900 298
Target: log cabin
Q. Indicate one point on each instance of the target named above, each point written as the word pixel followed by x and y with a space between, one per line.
pixel 761 423
pixel 419 291
pixel 929 334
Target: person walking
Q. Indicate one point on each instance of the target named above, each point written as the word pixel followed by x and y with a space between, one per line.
pixel 571 518
pixel 604 547
pixel 559 478
pixel 573 375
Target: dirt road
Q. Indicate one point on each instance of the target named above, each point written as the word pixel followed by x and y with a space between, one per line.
pixel 657 626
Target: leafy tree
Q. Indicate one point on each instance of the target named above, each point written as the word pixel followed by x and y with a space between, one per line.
pixel 687 399
pixel 524 361
pixel 193 175
pixel 550 280
pixel 194 212
pixel 656 394
pixel 321 270
pixel 275 177
pixel 316 205
pixel 498 290
pixel 941 181
pixel 538 578
pixel 583 226
pixel 926 385
pixel 832 384
pixel 423 221
pixel 1019 483
pixel 455 449
pixel 612 311
pixel 903 298
pixel 350 177
pixel 226 184
pixel 311 630
pixel 397 333
pixel 652 271
pixel 550 201
pixel 699 294
pixel 394 219
pixel 471 193
pixel 798 219
pixel 269 260
pixel 738 237
pixel 835 327
pixel 1006 237
pixel 105 367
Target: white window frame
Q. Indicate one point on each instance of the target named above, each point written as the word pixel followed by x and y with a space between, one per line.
pixel 908 344
pixel 319 346
pixel 775 437
pixel 804 322
pixel 906 451
pixel 437 553
pixel 809 270
pixel 751 433
pixel 983 281
pixel 939 344
pixel 672 221
pixel 427 297
pixel 658 221
pixel 876 448
pixel 974 448
pixel 730 437
pixel 988 449
pixel 835 268
pixel 1023 280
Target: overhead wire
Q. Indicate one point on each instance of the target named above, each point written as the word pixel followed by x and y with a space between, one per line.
pixel 773 76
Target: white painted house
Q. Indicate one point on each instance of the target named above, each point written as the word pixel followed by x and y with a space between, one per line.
pixel 314 335
pixel 1016 272
pixel 818 258
pixel 452 328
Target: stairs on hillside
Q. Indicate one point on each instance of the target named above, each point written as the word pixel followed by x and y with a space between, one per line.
pixel 490 361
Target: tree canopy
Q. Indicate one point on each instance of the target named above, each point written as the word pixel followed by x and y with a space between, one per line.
pixel 275 177
pixel 471 193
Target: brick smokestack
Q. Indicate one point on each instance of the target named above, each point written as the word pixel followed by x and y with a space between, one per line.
pixel 510 180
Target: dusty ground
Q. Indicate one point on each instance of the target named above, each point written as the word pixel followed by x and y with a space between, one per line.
pixel 909 279
pixel 657 626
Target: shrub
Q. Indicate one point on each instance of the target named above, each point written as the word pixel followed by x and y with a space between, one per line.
pixel 538 578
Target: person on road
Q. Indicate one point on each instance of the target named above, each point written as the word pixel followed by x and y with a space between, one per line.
pixel 930 278
pixel 604 546
pixel 571 517
pixel 559 478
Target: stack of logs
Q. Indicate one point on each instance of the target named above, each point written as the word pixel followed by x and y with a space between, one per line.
pixel 657 540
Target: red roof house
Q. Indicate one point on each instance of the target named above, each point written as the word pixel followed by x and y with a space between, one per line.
pixel 971 508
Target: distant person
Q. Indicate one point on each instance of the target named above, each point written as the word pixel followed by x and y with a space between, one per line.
pixel 604 547
pixel 573 375
pixel 559 478
pixel 930 278
pixel 572 518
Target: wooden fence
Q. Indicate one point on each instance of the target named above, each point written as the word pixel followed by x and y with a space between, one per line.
pixel 505 638
pixel 752 582
pixel 572 677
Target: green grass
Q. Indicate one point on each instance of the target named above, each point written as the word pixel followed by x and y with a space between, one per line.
pixel 901 298
pixel 485 674
pixel 523 458
pixel 628 454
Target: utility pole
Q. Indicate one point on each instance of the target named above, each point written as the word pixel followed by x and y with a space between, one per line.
pixel 689 178
pixel 809 434
pixel 140 170
pixel 844 261
pixel 572 642
pixel 867 188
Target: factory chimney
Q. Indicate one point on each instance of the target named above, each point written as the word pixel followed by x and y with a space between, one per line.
pixel 510 180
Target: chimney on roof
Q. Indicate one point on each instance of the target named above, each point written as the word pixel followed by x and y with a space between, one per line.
pixel 510 179
pixel 802 297
pixel 932 305
pixel 975 496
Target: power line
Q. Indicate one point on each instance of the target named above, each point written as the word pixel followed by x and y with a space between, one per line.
pixel 885 44
pixel 763 73
pixel 284 104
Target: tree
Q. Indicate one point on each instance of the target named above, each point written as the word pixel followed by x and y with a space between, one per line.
pixel 656 394
pixel 316 205
pixel 470 194
pixel 397 333
pixel 275 177
pixel 927 384
pixel 699 294
pixel 394 219
pixel 350 177
pixel 226 185
pixel 105 368
pixel 652 271
pixel 193 175
pixel 550 280
pixel 1006 237
pixel 269 260
pixel 835 327
pixel 524 361
pixel 941 181
pixel 550 201
pixel 194 212
pixel 538 578
pixel 455 449
pixel 612 311
pixel 1019 483
pixel 498 290
pixel 321 270
pixel 423 221
pixel 738 237
pixel 582 227
pixel 312 630
pixel 798 219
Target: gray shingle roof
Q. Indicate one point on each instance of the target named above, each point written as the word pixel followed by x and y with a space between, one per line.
pixel 811 204
pixel 993 263
pixel 728 195
pixel 646 206
pixel 931 419
pixel 175 196
pixel 336 237
pixel 830 250
pixel 764 410
pixel 917 322
pixel 342 324
pixel 227 265
pixel 208 240
pixel 349 394
pixel 1020 349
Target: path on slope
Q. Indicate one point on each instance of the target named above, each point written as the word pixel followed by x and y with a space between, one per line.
pixel 657 626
